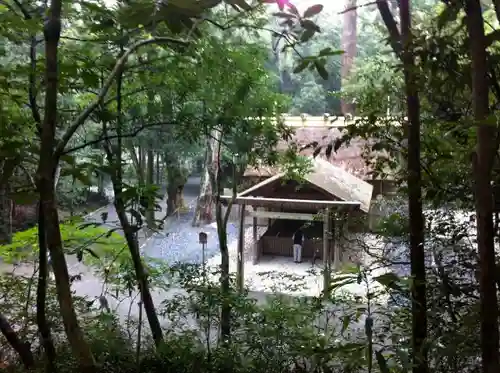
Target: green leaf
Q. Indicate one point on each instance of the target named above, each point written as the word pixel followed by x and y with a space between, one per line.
pixel 91 252
pixel 313 10
pixel 301 66
pixel 310 25
pixel 382 363
pixel 284 15
pixel 88 225
pixel 307 35
pixel 320 68
pixel 345 323
pixel 330 52
pixel 449 14
pixel 389 280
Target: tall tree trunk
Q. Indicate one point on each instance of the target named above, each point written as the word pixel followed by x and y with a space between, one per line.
pixel 140 272
pixel 46 183
pixel 159 179
pixel 136 162
pixel 401 43
pixel 204 212
pixel 7 167
pixel 142 158
pixel 225 317
pixel 482 165
pixel 349 46
pixel 150 211
pixel 41 295
pixel 417 252
pixel 21 347
pixel 176 180
pixel 114 157
pixel 5 215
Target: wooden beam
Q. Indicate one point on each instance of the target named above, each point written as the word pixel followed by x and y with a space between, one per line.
pixel 261 184
pixel 284 215
pixel 340 226
pixel 241 245
pixel 313 204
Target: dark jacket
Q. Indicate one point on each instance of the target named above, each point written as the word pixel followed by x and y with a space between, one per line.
pixel 298 238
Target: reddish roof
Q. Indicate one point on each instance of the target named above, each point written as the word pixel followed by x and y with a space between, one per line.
pixel 348 158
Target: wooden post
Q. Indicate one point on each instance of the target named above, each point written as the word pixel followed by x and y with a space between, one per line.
pixel 255 241
pixel 339 225
pixel 326 252
pixel 241 246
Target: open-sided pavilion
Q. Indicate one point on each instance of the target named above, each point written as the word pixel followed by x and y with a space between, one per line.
pixel 328 194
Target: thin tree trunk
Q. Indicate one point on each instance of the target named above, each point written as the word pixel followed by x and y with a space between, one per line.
pixel 401 43
pixel 46 182
pixel 225 318
pixel 7 167
pixel 21 347
pixel 136 162
pixel 41 295
pixel 5 215
pixel 115 161
pixel 158 169
pixel 349 46
pixel 417 252
pixel 204 212
pixel 142 158
pixel 482 167
pixel 215 180
pixel 150 212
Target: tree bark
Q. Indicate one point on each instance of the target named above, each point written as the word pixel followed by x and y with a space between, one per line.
pixel 417 252
pixel 225 318
pixel 41 295
pixel 349 46
pixel 482 165
pixel 150 211
pixel 204 212
pixel 401 43
pixel 46 183
pixel 136 162
pixel 21 347
pixel 7 167
pixel 158 169
pixel 5 215
pixel 140 272
pixel 115 161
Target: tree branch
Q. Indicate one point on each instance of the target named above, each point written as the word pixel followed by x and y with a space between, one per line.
pixel 32 86
pixel 391 25
pixel 23 10
pixel 120 64
pixel 104 137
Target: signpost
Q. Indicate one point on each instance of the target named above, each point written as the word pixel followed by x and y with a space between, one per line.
pixel 203 237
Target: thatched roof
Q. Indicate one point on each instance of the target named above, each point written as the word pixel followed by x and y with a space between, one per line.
pixel 333 180
pixel 348 158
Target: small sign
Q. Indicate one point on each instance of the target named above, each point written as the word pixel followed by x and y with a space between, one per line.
pixel 203 237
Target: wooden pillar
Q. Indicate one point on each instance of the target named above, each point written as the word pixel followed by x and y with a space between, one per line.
pixel 337 234
pixel 241 246
pixel 326 252
pixel 255 242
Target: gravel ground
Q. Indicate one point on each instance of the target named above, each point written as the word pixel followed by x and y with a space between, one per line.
pixel 179 242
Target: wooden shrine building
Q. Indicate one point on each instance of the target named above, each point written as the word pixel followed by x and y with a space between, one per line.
pixel 323 200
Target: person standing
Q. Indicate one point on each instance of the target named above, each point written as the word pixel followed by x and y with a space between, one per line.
pixel 298 243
